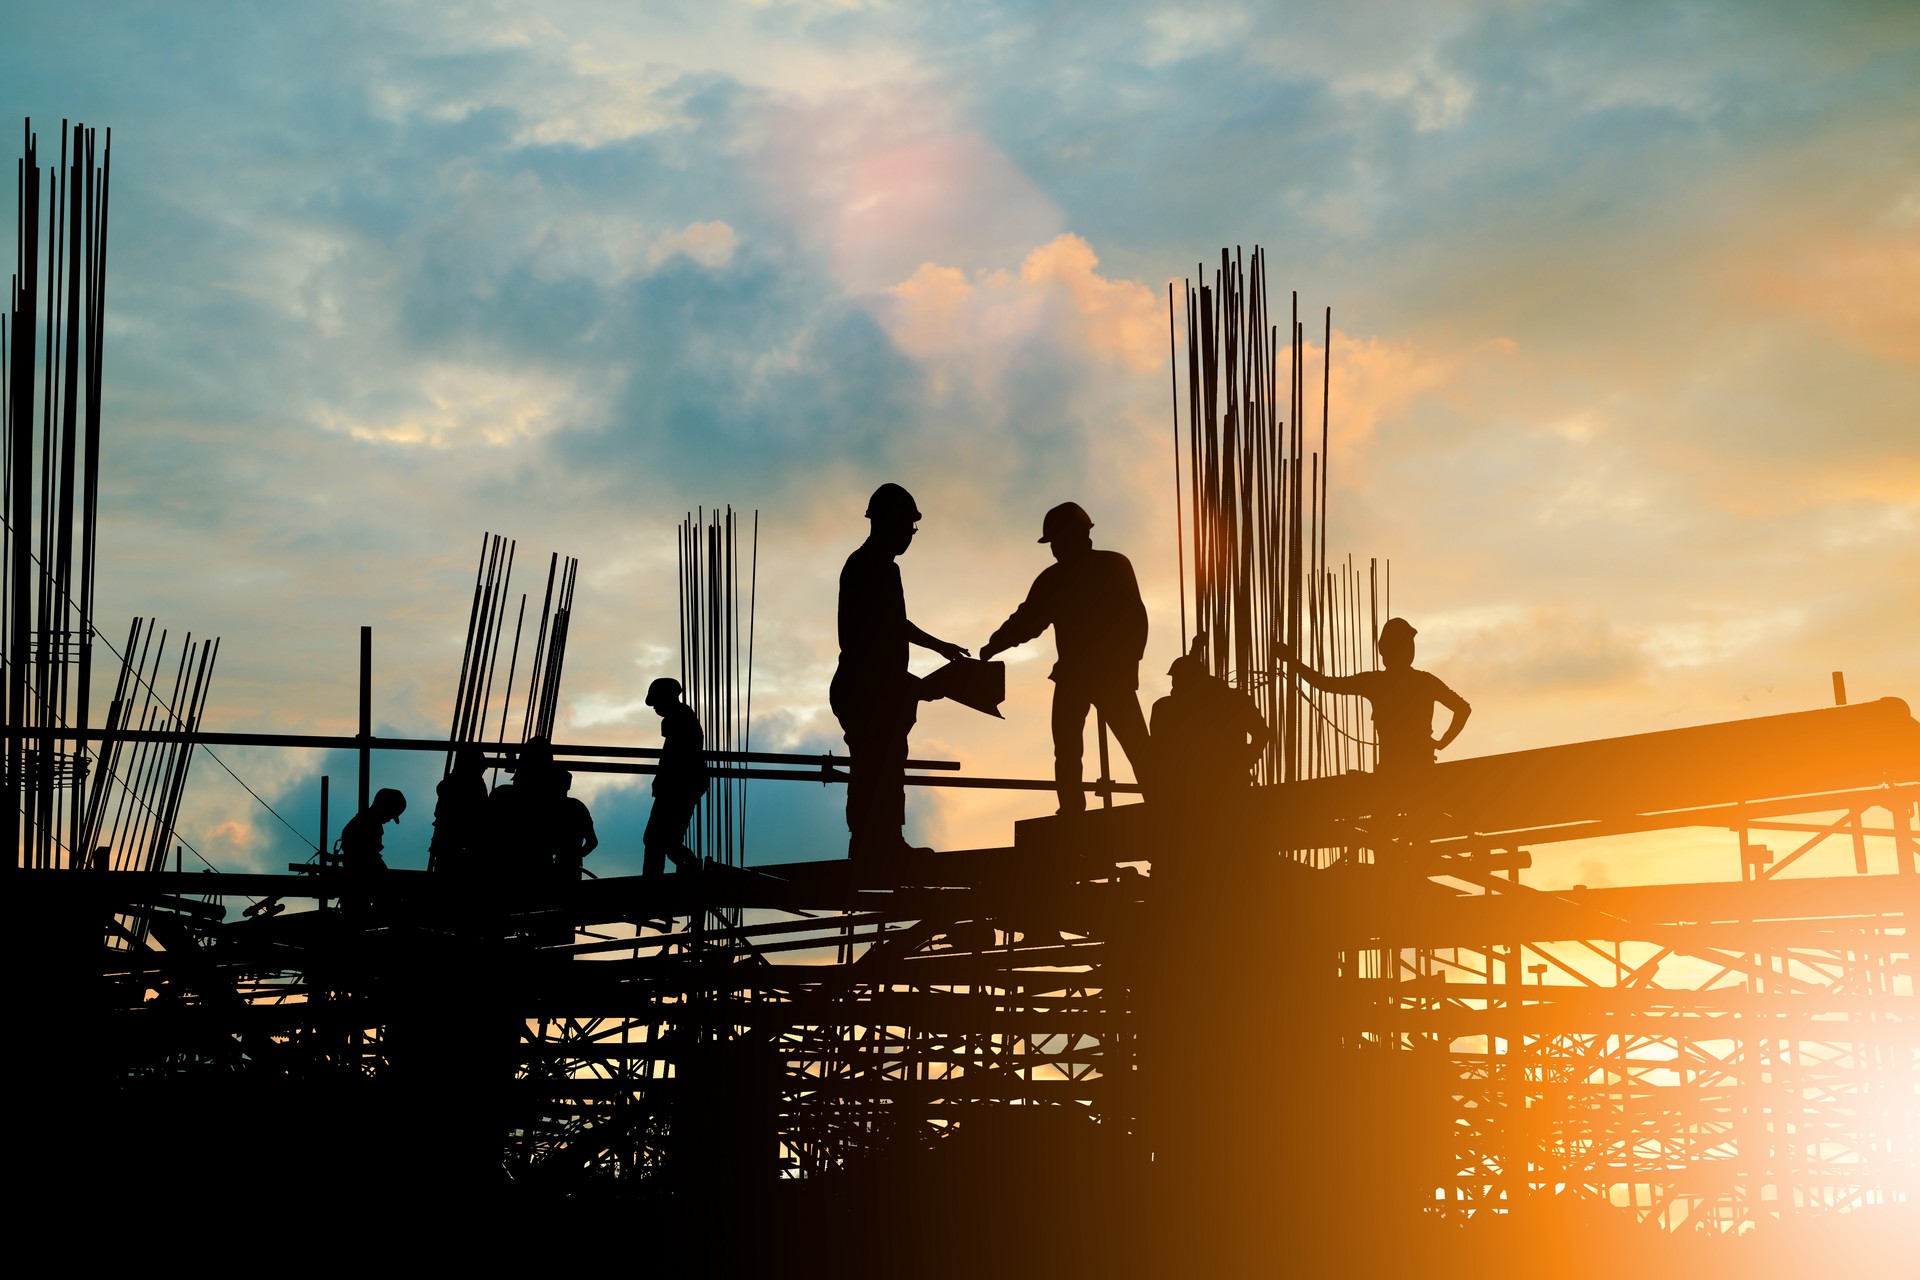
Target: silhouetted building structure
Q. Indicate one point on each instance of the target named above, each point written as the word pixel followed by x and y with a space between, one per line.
pixel 874 696
pixel 681 783
pixel 1402 698
pixel 1092 602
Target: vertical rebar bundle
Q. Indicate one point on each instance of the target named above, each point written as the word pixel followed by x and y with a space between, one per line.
pixel 550 649
pixel 133 797
pixel 50 443
pixel 716 667
pixel 486 631
pixel 1256 488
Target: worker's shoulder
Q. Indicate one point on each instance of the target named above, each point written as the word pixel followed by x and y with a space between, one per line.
pixel 869 555
pixel 1112 561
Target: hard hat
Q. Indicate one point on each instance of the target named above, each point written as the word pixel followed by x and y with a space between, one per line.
pixel 1068 517
pixel 891 502
pixel 1194 660
pixel 388 798
pixel 1396 628
pixel 661 691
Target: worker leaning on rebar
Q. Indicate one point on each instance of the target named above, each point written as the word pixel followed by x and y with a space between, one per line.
pixel 1092 601
pixel 1403 699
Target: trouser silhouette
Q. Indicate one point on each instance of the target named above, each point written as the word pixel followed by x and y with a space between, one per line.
pixel 1121 709
pixel 666 832
pixel 875 723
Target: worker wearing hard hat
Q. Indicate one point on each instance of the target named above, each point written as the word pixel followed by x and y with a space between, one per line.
pixel 1092 602
pixel 1403 700
pixel 680 784
pixel 1206 734
pixel 873 694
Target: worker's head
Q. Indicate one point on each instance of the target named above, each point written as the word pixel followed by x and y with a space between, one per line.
pixel 1396 642
pixel 1190 667
pixel 536 754
pixel 566 779
pixel 387 805
pixel 663 693
pixel 1068 529
pixel 892 513
pixel 469 760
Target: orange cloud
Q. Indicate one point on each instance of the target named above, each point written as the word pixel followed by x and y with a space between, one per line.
pixel 938 312
pixel 1865 288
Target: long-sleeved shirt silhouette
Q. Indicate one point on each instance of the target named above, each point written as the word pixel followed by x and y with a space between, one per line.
pixel 873 627
pixel 683 761
pixel 1092 602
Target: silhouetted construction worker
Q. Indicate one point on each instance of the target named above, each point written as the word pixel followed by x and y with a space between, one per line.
pixel 874 696
pixel 1403 700
pixel 520 815
pixel 681 782
pixel 1206 733
pixel 459 815
pixel 1092 602
pixel 573 835
pixel 361 842
pixel 361 839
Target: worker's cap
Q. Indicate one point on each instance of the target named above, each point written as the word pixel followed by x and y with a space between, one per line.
pixel 891 502
pixel 663 691
pixel 1068 517
pixel 388 800
pixel 1396 629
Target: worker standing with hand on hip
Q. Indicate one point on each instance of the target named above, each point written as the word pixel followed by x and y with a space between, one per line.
pixel 1092 601
pixel 1403 700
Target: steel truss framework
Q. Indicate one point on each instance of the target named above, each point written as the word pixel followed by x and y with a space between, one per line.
pixel 1701 1055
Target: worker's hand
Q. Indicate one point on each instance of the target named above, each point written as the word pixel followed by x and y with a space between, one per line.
pixel 951 652
pixel 987 652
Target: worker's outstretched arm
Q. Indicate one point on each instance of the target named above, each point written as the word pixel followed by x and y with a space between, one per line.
pixel 948 651
pixel 1034 615
pixel 1458 706
pixel 1324 683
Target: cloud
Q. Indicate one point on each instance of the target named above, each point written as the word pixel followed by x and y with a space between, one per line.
pixel 1057 296
pixel 1863 287
pixel 1622 387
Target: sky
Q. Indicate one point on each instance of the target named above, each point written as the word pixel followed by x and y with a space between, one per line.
pixel 1626 358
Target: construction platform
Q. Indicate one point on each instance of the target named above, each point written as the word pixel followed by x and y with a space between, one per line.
pixel 1306 985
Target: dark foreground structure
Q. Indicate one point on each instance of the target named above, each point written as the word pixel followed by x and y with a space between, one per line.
pixel 1325 1026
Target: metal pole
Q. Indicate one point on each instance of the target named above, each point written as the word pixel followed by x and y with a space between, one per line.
pixel 366 716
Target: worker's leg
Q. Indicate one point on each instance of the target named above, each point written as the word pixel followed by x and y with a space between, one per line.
pixel 654 840
pixel 1121 707
pixel 876 790
pixel 1070 707
pixel 666 828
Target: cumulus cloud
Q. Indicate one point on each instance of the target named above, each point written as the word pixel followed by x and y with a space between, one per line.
pixel 1058 294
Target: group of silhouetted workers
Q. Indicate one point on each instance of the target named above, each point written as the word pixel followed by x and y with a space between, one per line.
pixel 1203 739
pixel 531 828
